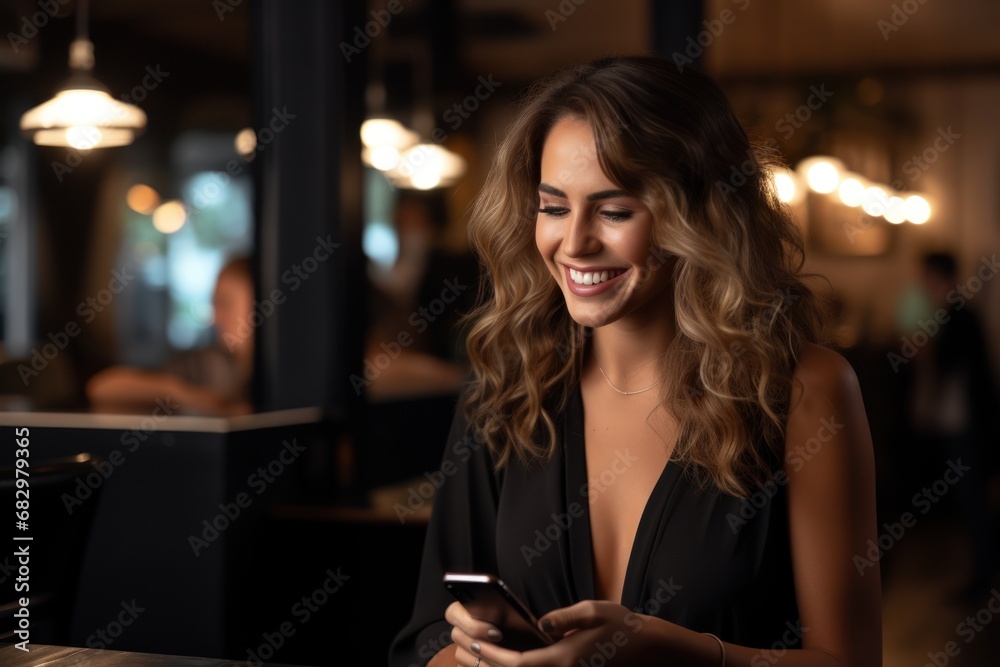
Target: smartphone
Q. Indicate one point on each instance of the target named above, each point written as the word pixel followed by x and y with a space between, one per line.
pixel 489 599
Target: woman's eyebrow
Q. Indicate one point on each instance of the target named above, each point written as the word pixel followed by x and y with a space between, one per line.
pixel 603 194
pixel 549 190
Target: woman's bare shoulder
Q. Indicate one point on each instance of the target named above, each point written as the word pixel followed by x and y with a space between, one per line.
pixel 822 373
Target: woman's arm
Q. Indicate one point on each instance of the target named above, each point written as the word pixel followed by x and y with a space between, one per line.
pixel 123 386
pixel 445 657
pixel 831 501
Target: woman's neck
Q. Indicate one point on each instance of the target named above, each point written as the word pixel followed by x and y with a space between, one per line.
pixel 627 351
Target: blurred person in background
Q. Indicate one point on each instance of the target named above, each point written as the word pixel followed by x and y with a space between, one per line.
pixel 953 406
pixel 416 306
pixel 210 380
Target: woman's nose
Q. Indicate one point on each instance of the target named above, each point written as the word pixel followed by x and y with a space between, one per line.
pixel 578 236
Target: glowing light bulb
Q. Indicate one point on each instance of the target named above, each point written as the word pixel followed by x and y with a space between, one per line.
pixel 169 217
pixel 142 199
pixel 851 191
pixel 895 211
pixel 785 186
pixel 875 201
pixel 918 211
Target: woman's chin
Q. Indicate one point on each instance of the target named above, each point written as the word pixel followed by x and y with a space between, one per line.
pixel 592 320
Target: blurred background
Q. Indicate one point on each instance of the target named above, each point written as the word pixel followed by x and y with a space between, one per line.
pixel 237 228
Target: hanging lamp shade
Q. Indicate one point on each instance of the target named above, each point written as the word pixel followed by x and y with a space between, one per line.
pixel 83 115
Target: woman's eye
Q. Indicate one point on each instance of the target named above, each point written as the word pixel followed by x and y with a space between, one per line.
pixel 554 211
pixel 617 216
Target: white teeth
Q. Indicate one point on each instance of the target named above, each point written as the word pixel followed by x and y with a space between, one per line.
pixel 593 277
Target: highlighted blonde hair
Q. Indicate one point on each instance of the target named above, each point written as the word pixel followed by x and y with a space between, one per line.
pixel 741 304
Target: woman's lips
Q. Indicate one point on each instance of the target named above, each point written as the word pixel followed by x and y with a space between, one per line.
pixel 591 290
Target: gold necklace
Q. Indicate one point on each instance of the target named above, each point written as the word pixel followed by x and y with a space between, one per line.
pixel 627 393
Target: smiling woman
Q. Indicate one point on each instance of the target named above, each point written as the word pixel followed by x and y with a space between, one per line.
pixel 617 264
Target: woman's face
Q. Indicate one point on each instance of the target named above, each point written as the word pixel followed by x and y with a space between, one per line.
pixel 595 238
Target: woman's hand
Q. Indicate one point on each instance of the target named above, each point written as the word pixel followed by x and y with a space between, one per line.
pixel 583 632
pixel 468 630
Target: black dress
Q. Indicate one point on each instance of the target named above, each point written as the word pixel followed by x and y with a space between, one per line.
pixel 702 559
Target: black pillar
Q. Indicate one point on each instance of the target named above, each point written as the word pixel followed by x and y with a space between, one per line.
pixel 310 96
pixel 673 23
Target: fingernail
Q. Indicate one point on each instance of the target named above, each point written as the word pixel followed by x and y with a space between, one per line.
pixel 494 635
pixel 546 625
pixel 475 647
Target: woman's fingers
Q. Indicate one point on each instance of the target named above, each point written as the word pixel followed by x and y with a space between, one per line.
pixel 467 659
pixel 459 616
pixel 472 646
pixel 563 621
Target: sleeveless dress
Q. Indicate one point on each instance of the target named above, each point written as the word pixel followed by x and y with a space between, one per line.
pixel 702 559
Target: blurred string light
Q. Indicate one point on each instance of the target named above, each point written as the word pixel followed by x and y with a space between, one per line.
pixel 142 199
pixel 827 175
pixel 83 115
pixel 822 173
pixel 851 191
pixel 787 185
pixel 393 149
pixel 874 200
pixel 169 217
pixel 246 143
pixel 918 211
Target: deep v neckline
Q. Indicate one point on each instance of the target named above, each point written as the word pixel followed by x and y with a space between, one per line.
pixel 655 513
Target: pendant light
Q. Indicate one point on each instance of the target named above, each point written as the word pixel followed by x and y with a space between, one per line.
pixel 83 115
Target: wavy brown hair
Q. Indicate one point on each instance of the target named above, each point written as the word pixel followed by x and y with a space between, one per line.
pixel 741 303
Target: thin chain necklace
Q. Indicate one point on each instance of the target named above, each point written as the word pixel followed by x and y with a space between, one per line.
pixel 628 393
